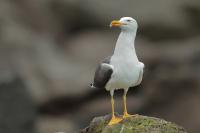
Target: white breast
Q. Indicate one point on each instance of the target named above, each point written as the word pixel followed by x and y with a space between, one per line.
pixel 126 67
pixel 125 74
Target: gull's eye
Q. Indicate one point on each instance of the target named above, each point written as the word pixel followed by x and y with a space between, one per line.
pixel 128 20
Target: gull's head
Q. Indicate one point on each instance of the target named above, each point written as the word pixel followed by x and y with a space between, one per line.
pixel 125 23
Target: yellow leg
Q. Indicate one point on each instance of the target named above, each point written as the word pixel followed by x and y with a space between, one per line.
pixel 114 119
pixel 125 108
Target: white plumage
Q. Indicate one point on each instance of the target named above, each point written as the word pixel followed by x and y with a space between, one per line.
pixel 127 70
pixel 123 69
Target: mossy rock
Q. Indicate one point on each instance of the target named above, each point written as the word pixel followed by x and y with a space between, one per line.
pixel 135 124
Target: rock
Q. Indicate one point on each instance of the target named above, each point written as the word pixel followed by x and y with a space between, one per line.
pixel 52 124
pixel 17 110
pixel 136 124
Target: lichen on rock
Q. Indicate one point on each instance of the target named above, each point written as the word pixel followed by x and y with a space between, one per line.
pixel 134 124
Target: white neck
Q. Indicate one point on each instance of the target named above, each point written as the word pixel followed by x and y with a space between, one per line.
pixel 125 46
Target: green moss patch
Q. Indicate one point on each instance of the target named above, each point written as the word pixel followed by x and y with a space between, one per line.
pixel 135 124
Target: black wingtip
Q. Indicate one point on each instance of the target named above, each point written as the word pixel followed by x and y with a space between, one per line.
pixel 92 85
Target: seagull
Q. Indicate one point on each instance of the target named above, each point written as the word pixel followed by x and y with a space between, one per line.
pixel 122 70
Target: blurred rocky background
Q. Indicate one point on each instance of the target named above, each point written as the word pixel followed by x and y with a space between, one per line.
pixel 49 50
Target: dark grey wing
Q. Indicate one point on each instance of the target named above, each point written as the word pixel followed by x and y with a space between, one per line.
pixel 103 74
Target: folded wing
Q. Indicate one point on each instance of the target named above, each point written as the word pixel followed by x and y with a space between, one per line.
pixel 103 74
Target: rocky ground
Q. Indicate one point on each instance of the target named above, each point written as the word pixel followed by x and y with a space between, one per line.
pixel 49 50
pixel 134 124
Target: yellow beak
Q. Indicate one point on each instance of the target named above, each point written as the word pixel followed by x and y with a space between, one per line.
pixel 116 23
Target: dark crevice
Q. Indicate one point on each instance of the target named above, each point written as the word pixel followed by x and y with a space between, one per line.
pixel 64 105
pixel 159 33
